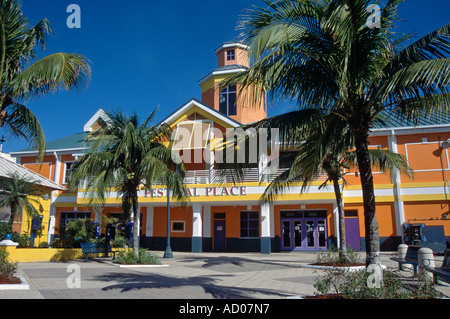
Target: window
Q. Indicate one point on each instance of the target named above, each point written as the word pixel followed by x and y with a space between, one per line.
pixel 231 55
pixel 227 101
pixel 192 135
pixel 219 215
pixel 178 226
pixel 249 224
pixel 67 170
pixel 68 216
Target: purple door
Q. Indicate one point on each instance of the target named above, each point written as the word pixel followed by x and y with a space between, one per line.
pixel 219 235
pixel 303 234
pixel 352 235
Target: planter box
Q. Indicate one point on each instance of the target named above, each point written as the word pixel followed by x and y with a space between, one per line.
pixel 23 286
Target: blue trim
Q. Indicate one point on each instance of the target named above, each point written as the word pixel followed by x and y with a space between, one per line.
pixel 266 245
pixel 197 244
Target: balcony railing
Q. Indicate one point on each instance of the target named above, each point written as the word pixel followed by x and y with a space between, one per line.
pixel 229 176
pixel 249 175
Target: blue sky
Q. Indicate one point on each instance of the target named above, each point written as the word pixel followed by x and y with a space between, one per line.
pixel 148 53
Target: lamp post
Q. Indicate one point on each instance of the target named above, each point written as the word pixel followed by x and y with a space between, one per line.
pixel 168 253
pixel 444 146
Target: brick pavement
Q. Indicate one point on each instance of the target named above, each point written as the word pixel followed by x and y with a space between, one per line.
pixel 189 276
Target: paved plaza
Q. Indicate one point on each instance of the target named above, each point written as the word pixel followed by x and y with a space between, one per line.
pixel 186 276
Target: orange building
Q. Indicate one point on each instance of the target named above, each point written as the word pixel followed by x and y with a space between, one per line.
pixel 228 216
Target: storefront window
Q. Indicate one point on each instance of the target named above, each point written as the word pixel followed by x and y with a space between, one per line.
pixel 68 216
pixel 249 224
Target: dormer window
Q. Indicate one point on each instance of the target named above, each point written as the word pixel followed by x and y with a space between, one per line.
pixel 231 55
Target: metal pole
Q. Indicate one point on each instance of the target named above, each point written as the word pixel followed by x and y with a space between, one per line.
pixel 168 253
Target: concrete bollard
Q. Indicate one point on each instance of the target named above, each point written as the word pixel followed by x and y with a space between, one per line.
pixel 401 253
pixel 426 259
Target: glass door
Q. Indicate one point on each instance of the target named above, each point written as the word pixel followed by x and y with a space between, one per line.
pixel 291 234
pixel 308 233
pixel 286 235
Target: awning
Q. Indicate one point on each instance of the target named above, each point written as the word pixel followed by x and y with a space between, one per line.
pixel 7 168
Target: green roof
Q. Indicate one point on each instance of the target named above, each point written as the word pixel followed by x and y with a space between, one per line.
pixel 73 142
pixel 389 119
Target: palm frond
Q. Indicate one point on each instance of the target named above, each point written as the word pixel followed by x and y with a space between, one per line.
pixel 58 71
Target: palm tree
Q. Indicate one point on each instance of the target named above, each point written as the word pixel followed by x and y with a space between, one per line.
pixel 23 76
pixel 326 56
pixel 326 147
pixel 19 193
pixel 125 155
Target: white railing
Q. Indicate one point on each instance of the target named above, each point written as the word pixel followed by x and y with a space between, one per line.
pixel 229 176
pixel 197 177
pixel 272 175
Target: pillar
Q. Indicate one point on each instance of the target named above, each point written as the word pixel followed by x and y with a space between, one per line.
pixel 149 222
pixel 396 180
pixel 266 234
pixel 197 228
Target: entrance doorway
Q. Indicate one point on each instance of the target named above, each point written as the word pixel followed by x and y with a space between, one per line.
pixel 352 234
pixel 219 231
pixel 304 230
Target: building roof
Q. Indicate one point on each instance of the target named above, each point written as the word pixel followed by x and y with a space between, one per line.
pixel 231 44
pixel 389 119
pixel 70 143
pixel 7 168
pixel 196 103
pixel 226 69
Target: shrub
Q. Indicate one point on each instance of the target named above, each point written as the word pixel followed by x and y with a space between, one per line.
pixel 5 228
pixel 23 240
pixel 335 256
pixel 128 257
pixel 43 244
pixel 121 242
pixel 8 269
pixel 80 230
pixel 353 285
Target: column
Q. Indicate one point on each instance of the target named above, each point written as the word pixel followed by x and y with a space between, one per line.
pixel 197 228
pixel 149 222
pixel 396 180
pixel 52 213
pixel 207 238
pixel 266 227
pixel 336 224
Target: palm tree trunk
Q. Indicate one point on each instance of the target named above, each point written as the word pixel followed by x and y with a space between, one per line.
pixel 368 191
pixel 136 218
pixel 340 205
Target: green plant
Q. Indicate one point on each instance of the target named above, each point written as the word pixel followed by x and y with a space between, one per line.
pixel 128 257
pixel 353 285
pixel 43 244
pixel 80 230
pixel 121 242
pixel 322 55
pixel 334 256
pixel 23 240
pixel 5 228
pixel 8 270
pixel 126 155
pixel 25 77
pixel 425 288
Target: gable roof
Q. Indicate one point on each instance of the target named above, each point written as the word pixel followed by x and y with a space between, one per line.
pixel 7 167
pixel 194 103
pixel 101 114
